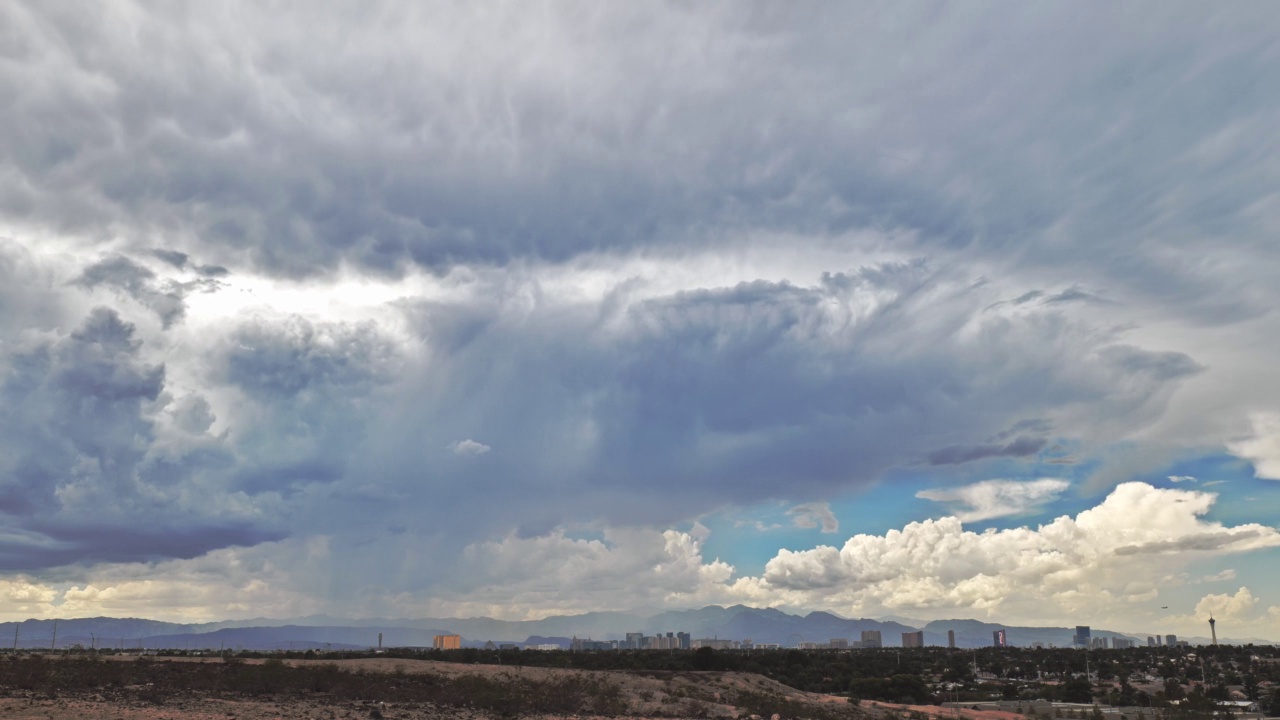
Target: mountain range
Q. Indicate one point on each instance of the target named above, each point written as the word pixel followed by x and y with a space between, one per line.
pixel 739 622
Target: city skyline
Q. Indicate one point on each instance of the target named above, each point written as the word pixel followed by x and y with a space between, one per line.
pixel 739 628
pixel 399 310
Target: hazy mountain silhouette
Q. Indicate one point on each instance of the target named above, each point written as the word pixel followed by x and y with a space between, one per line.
pixel 737 622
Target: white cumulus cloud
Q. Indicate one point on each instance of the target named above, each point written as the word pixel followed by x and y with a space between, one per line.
pixel 1232 608
pixel 1094 563
pixel 997 498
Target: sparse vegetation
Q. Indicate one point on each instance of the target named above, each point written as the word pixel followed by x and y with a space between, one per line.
pixel 158 682
pixel 397 691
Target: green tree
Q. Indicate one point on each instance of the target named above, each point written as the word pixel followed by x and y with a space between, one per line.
pixel 704 658
pixel 1077 690
pixel 1273 703
pixel 1251 686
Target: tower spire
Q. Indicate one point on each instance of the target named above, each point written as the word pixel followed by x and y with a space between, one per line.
pixel 1213 629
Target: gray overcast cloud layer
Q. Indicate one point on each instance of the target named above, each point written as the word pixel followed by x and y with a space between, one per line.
pixel 644 262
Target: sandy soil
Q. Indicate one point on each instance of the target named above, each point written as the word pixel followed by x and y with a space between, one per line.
pixel 648 694
pixel 941 713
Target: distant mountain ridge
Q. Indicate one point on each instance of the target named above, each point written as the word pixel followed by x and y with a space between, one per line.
pixel 737 622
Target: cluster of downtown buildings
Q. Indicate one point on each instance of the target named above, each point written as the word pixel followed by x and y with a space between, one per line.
pixel 684 641
pixel 1083 638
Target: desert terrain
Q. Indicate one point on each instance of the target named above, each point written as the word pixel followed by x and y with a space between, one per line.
pixel 148 688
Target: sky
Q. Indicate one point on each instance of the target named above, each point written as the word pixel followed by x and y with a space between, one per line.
pixel 934 310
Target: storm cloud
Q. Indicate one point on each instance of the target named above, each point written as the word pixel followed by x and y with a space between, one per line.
pixel 364 291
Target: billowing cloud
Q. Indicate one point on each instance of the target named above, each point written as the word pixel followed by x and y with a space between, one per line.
pixel 997 498
pixel 1237 608
pixel 813 515
pixel 20 597
pixel 1263 449
pixel 83 458
pixel 1069 566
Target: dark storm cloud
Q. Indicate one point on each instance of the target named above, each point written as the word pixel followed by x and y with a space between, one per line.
pixel 663 125
pixel 758 391
pixel 1023 155
pixel 80 398
pixel 149 539
pixel 318 388
pixel 957 454
pixel 80 480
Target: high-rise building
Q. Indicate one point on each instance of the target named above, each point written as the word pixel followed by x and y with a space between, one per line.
pixel 871 639
pixel 634 641
pixel 1171 640
pixel 447 642
pixel 1082 636
pixel 1151 641
pixel 838 643
pixel 1213 629
pixel 913 639
pixel 951 638
pixel 684 639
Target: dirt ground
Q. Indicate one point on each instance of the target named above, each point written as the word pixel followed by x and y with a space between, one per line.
pixel 665 695
pixel 940 713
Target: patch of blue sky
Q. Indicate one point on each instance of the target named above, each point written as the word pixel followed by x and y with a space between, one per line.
pixel 749 537
pixel 1242 497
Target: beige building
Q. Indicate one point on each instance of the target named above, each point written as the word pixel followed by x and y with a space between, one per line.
pixel 447 642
